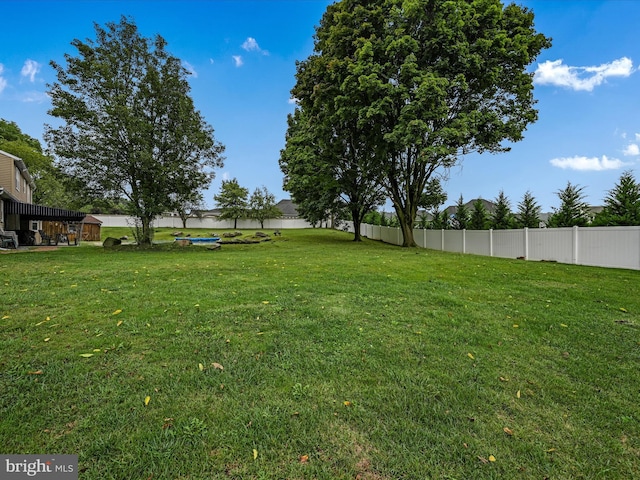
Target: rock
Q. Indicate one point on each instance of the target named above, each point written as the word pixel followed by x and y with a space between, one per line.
pixel 124 237
pixel 231 234
pixel 261 234
pixel 214 246
pixel 183 243
pixel 177 234
pixel 111 242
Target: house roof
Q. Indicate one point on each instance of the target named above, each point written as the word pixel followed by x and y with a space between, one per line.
pixel 31 211
pixel 90 219
pixel 488 205
pixel 288 208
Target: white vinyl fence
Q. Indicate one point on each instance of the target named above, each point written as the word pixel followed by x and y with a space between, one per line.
pixel 617 247
pixel 206 222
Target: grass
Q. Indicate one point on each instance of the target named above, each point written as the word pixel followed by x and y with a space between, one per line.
pixel 312 356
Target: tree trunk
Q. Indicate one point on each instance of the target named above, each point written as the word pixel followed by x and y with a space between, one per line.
pixel 407 234
pixel 235 223
pixel 355 217
pixel 146 237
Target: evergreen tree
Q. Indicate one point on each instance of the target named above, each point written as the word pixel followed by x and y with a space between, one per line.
pixel 622 203
pixel 461 217
pixel 573 210
pixel 528 212
pixel 502 218
pixel 479 217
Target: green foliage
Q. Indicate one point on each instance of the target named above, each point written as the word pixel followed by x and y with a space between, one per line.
pixel 232 200
pixel 461 216
pixel 262 206
pixel 622 203
pixel 573 210
pixel 440 221
pixel 502 218
pixel 131 129
pixel 423 83
pixel 528 212
pixel 479 219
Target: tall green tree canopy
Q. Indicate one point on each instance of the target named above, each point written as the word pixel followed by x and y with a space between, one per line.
pixel 427 80
pixel 131 129
pixel 528 212
pixel 502 218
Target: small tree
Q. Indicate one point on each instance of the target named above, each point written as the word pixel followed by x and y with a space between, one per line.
pixel 573 210
pixel 528 212
pixel 262 206
pixel 232 200
pixel 461 217
pixel 188 204
pixel 479 219
pixel 502 218
pixel 622 203
pixel 440 220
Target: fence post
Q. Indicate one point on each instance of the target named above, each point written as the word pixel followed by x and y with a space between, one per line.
pixel 574 256
pixel 464 240
pixel 491 242
pixel 526 243
pixel 442 239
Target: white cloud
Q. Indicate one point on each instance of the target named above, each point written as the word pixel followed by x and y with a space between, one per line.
pixel 237 59
pixel 3 82
pixel 250 45
pixel 631 150
pixel 189 68
pixel 581 78
pixel 293 101
pixel 30 69
pixel 587 163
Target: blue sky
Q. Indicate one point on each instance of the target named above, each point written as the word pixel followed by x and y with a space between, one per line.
pixel 242 57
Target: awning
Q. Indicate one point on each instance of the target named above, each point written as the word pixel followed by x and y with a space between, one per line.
pixel 30 211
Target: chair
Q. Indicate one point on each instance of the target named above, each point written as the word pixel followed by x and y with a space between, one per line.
pixel 8 239
pixel 46 239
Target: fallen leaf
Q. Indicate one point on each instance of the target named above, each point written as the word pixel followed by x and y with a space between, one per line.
pixel 483 460
pixel 470 356
pixel 201 367
pixel 37 372
pixel 97 350
pixel 515 325
pixel 255 453
pixel 623 310
pixel 217 366
pixel 266 302
pixel 504 379
pixel 5 317
pixel 47 339
pixel 492 458
pixel 47 319
pixel 551 450
pixel 563 325
pixel 119 323
pixel 518 394
pixel 118 311
pixel 508 431
pixel 86 355
pixel 147 399
pixel 347 403
pixel 304 458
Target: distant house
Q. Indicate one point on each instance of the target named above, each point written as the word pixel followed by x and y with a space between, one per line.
pixel 489 206
pixel 289 209
pixel 19 216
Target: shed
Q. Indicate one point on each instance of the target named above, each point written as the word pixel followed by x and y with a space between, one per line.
pixel 91 229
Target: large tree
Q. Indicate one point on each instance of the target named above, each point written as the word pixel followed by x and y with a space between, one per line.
pixel 328 163
pixel 131 129
pixel 528 212
pixel 502 218
pixel 232 201
pixel 430 79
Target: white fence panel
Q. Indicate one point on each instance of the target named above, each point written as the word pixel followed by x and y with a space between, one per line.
pixel 478 242
pixel 454 241
pixel 508 243
pixel 555 244
pixel 435 239
pixel 206 223
pixel 609 247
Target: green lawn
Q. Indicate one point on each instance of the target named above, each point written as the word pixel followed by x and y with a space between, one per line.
pixel 314 357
